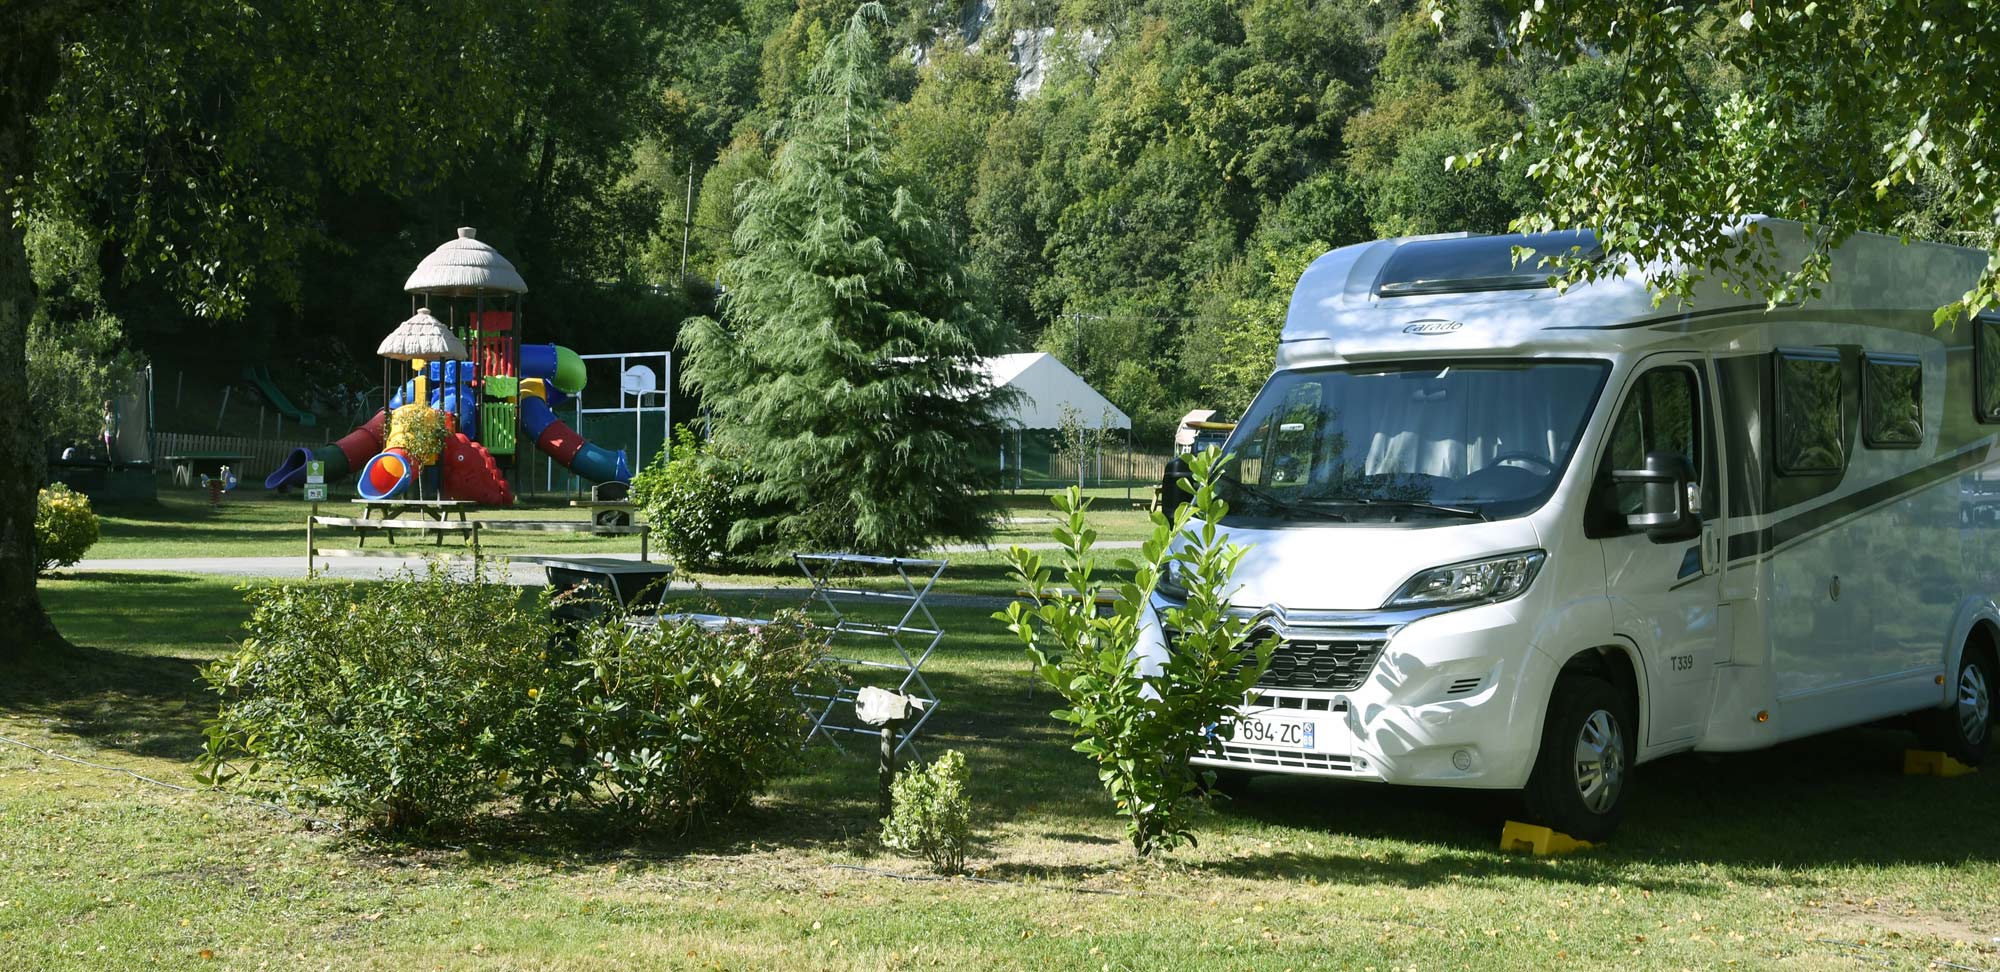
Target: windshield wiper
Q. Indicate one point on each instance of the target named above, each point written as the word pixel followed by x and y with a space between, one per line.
pixel 1460 511
pixel 1281 503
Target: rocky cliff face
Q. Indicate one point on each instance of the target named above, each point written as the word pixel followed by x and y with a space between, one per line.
pixel 1031 49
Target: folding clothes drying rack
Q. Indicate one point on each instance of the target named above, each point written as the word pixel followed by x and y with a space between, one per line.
pixel 914 635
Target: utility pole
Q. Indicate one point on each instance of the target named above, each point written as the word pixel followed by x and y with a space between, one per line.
pixel 687 220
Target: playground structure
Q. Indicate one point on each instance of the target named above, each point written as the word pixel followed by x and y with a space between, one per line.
pixel 489 391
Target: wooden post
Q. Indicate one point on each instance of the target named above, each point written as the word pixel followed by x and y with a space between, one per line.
pixel 885 769
pixel 309 537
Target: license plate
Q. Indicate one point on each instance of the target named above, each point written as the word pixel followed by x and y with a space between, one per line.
pixel 1275 732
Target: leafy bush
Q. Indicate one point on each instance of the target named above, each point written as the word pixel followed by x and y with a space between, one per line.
pixel 65 527
pixel 1143 719
pixel 930 815
pixel 688 498
pixel 670 724
pixel 391 701
pixel 420 431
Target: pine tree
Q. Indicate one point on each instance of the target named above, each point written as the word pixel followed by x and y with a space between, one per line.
pixel 845 372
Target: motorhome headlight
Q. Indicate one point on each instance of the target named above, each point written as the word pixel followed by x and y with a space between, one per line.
pixel 1169 585
pixel 1476 582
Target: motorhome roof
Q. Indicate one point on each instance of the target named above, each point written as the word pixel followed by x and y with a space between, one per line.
pixel 1465 294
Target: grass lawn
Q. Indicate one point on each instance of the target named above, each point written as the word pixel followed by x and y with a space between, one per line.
pixel 1813 856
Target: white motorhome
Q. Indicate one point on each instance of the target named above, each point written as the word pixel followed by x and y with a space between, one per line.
pixel 1516 538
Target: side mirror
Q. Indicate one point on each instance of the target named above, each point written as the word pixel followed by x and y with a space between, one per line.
pixel 1172 496
pixel 1670 509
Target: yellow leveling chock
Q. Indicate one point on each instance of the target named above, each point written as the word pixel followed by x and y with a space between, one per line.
pixel 1539 841
pixel 1928 762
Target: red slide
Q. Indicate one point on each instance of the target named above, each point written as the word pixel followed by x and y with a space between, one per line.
pixel 470 473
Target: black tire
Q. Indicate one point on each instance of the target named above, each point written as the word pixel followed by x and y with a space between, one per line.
pixel 1567 792
pixel 1963 729
pixel 1231 784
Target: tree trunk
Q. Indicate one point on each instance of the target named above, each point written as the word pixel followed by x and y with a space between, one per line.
pixel 28 68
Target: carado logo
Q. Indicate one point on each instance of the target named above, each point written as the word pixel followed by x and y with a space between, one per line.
pixel 1435 325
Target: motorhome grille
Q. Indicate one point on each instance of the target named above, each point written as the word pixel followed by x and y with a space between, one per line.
pixel 1332 666
pixel 1464 685
pixel 1260 756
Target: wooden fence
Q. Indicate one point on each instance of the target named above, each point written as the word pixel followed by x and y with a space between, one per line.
pixel 1113 465
pixel 265 454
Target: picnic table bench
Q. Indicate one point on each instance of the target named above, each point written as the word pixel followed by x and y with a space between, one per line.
pixel 435 517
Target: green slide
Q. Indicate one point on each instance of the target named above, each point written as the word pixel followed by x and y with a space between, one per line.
pixel 261 377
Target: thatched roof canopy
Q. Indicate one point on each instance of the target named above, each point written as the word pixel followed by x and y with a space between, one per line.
pixel 465 267
pixel 422 336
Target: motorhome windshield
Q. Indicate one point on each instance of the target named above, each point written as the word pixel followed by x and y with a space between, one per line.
pixel 1416 442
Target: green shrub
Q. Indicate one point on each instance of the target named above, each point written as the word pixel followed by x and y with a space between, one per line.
pixel 1142 722
pixel 394 702
pixel 688 500
pixel 670 724
pixel 65 527
pixel 930 815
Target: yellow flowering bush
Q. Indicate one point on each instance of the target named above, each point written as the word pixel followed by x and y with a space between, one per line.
pixel 65 527
pixel 418 430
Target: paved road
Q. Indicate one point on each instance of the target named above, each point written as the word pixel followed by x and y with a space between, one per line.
pixel 375 568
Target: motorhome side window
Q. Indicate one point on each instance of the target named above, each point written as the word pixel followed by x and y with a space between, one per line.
pixel 1892 401
pixel 1811 414
pixel 1986 368
pixel 1661 414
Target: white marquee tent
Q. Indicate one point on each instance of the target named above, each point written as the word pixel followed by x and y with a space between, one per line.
pixel 1046 385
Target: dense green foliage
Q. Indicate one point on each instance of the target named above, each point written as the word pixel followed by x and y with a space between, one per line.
pixel 1123 193
pixel 1861 115
pixel 844 373
pixel 688 495
pixel 930 815
pixel 411 704
pixel 77 358
pixel 65 527
pixel 1139 717
pixel 672 724
pixel 394 702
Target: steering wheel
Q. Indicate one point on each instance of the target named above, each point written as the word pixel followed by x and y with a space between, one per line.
pixel 1548 468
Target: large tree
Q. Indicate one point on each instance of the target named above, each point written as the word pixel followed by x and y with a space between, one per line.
pixel 198 136
pixel 845 371
pixel 1846 115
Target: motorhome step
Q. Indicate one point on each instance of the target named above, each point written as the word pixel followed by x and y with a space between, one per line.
pixel 1516 836
pixel 1929 762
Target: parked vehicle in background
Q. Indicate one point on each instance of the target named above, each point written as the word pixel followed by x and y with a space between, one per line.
pixel 1522 539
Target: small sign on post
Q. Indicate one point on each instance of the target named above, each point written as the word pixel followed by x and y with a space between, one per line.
pixel 315 492
pixel 881 707
pixel 316 481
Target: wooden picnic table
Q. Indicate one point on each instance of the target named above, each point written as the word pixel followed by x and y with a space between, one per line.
pixel 437 511
pixel 185 464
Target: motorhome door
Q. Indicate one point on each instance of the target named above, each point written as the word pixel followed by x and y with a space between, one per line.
pixel 1665 593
